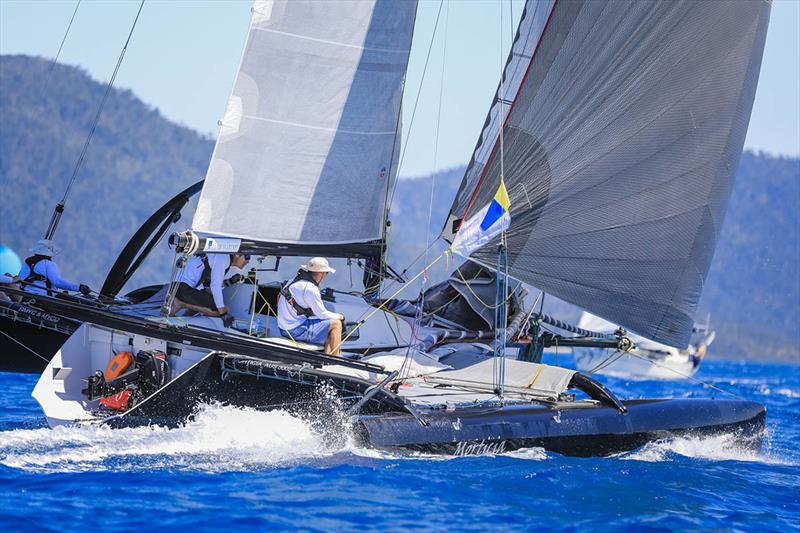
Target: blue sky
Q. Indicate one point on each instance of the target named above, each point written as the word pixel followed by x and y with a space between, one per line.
pixel 184 55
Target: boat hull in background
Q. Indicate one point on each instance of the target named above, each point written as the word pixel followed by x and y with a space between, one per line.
pixel 627 366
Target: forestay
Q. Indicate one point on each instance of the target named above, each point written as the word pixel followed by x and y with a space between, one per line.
pixel 621 142
pixel 307 148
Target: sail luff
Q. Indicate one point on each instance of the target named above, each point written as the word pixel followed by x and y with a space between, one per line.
pixel 499 138
pixel 532 23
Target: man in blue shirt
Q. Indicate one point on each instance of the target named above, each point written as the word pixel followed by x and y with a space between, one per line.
pixel 41 274
pixel 200 283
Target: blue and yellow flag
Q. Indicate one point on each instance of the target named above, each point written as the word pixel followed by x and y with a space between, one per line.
pixel 485 225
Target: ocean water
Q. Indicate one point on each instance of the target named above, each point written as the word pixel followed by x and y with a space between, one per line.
pixel 236 469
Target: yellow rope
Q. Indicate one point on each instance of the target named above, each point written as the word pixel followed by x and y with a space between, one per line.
pixel 536 376
pixel 387 300
pixel 511 294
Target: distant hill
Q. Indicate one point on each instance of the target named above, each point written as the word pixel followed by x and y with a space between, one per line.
pixel 138 159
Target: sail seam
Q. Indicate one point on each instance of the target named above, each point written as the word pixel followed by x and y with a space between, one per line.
pixel 336 43
pixel 321 128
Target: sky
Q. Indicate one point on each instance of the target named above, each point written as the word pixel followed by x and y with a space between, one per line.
pixel 184 54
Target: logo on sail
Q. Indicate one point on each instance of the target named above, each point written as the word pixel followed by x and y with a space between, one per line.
pixel 485 225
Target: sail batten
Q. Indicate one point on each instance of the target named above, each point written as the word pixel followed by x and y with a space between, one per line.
pixel 306 149
pixel 621 146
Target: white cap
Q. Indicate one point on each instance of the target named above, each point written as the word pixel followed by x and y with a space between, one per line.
pixel 318 264
pixel 45 247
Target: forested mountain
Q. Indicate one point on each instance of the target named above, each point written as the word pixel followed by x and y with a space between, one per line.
pixel 138 159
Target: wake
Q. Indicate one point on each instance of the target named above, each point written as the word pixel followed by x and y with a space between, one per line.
pixel 218 439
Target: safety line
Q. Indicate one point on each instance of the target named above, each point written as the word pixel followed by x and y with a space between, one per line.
pixel 27 348
pixel 387 300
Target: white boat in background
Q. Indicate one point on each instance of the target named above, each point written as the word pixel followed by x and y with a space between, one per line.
pixel 648 360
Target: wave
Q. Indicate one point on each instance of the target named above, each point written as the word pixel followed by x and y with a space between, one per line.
pixel 218 438
pixel 724 447
pixel 789 393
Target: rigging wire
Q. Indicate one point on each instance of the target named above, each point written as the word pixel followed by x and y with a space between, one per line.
pixel 34 352
pixel 52 66
pixel 416 101
pixel 58 54
pixel 60 206
pixel 405 367
pixel 500 309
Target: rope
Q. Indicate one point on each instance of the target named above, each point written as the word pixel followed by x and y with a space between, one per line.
pixel 43 358
pixel 686 376
pixel 495 306
pixel 387 300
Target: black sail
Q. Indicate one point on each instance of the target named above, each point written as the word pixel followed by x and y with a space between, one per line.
pixel 621 140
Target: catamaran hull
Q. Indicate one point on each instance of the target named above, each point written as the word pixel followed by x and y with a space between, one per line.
pixel 323 387
pixel 583 431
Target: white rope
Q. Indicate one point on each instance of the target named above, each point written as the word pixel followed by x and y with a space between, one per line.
pixel 46 360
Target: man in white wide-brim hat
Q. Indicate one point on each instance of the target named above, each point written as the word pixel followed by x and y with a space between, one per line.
pixel 41 275
pixel 301 314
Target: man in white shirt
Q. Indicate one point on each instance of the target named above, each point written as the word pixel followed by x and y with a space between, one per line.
pixel 301 313
pixel 200 283
pixel 41 274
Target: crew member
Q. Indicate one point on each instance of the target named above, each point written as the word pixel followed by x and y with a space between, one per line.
pixel 200 283
pixel 301 314
pixel 41 274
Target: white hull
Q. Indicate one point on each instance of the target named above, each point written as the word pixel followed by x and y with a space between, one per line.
pixel 642 365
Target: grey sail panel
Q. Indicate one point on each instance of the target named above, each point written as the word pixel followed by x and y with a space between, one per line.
pixel 620 153
pixel 307 148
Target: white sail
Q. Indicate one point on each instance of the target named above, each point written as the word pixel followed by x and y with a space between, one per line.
pixel 307 148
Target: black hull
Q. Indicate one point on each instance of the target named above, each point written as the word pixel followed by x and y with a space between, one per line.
pixel 579 429
pixel 27 343
pixel 582 432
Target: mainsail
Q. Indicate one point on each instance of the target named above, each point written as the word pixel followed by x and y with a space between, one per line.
pixel 623 127
pixel 307 149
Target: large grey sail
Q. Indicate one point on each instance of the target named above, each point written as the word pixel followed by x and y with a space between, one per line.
pixel 621 146
pixel 307 149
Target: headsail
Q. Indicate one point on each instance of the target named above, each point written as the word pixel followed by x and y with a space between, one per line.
pixel 625 124
pixel 306 150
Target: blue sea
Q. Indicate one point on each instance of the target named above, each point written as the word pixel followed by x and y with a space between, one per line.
pixel 233 469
